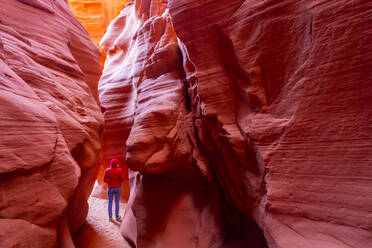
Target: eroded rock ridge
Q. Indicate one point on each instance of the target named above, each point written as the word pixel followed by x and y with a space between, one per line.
pixel 242 122
pixel 50 123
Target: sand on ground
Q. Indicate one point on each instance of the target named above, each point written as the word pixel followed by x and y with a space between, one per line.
pixel 98 232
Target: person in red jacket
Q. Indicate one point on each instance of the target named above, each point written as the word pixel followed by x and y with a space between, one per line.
pixel 113 177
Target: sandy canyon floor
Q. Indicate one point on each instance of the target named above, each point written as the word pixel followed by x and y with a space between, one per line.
pixel 98 231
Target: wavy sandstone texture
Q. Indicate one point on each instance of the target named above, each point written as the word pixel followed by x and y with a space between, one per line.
pixel 235 115
pixel 96 15
pixel 50 123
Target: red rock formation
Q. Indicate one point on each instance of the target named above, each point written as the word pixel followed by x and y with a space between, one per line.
pixel 96 15
pixel 296 73
pixel 232 113
pixel 175 203
pixel 50 123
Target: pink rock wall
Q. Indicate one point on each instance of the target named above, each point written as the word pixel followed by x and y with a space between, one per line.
pixel 233 114
pixel 50 123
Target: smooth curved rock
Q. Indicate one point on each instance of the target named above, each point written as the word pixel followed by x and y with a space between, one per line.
pixel 20 233
pixel 50 121
pixel 238 118
pixel 96 15
pixel 143 91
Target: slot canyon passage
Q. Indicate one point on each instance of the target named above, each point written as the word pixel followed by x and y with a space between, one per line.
pixel 241 123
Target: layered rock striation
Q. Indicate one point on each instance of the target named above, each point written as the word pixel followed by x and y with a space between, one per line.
pixel 95 16
pixel 50 123
pixel 243 123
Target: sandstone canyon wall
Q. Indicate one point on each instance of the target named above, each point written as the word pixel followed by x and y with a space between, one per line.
pixel 50 123
pixel 242 118
pixel 96 15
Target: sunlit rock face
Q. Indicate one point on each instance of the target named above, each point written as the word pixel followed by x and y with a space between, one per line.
pixel 233 114
pixel 50 123
pixel 96 15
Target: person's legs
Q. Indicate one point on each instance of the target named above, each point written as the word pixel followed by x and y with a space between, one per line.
pixel 117 198
pixel 110 196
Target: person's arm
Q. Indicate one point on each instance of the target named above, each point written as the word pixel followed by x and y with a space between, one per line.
pixel 105 177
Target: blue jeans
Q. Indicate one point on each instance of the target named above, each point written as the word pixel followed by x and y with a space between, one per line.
pixel 111 192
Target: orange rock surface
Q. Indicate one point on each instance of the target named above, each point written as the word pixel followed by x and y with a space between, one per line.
pixel 96 15
pixel 50 123
pixel 243 123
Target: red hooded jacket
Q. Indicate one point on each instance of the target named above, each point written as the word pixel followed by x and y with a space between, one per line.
pixel 113 176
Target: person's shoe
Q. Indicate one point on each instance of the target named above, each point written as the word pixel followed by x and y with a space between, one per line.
pixel 110 219
pixel 118 217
